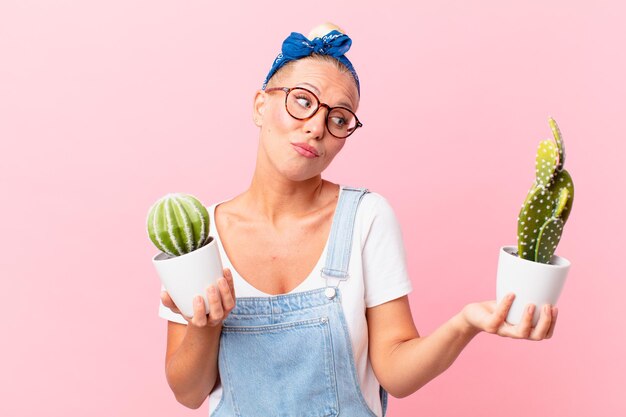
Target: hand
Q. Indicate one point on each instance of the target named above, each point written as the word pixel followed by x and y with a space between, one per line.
pixel 491 318
pixel 221 298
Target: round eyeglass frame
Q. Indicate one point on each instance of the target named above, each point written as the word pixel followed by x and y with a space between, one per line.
pixel 288 90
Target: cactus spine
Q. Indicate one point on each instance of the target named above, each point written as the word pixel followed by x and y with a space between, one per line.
pixel 548 203
pixel 178 224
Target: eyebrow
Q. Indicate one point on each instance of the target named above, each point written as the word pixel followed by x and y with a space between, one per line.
pixel 317 91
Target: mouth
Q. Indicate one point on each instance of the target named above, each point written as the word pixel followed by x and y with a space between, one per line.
pixel 305 150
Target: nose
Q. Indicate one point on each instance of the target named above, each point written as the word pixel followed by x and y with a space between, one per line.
pixel 316 124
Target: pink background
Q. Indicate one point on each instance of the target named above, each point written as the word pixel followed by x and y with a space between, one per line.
pixel 106 106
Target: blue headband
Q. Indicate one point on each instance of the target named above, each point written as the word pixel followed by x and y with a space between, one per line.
pixel 297 46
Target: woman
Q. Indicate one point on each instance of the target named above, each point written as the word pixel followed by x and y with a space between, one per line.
pixel 321 324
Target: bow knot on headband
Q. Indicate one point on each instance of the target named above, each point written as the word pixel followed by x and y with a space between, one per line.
pixel 297 46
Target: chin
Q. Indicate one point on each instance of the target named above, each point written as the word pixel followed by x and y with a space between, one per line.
pixel 300 174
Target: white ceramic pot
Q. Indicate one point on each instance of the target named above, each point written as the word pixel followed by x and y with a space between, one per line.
pixel 186 276
pixel 532 282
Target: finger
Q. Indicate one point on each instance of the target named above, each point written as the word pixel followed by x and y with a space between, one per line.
pixel 216 312
pixel 228 302
pixel 500 313
pixel 555 313
pixel 165 299
pixel 543 325
pixel 199 313
pixel 168 302
pixel 229 279
pixel 524 327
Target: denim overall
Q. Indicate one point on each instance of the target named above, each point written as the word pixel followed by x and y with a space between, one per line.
pixel 291 355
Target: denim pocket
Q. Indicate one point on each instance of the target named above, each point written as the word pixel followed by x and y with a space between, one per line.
pixel 281 369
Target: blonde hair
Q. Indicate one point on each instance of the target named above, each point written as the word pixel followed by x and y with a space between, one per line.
pixel 323 29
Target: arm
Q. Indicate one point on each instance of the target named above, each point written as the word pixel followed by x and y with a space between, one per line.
pixel 404 362
pixel 191 361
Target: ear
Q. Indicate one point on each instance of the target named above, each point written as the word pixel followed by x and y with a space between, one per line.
pixel 258 107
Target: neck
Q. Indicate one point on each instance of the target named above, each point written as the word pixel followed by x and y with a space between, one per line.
pixel 275 197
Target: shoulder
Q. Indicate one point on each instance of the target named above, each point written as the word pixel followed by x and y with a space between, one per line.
pixel 375 205
pixel 229 210
pixel 373 201
pixel 375 212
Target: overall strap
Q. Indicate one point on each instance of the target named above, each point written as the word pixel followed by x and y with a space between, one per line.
pixel 340 239
pixel 340 248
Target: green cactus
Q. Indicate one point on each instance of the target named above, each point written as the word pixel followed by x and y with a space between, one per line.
pixel 548 203
pixel 178 224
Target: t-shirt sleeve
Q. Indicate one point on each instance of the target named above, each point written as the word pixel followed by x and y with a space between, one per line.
pixel 384 258
pixel 168 314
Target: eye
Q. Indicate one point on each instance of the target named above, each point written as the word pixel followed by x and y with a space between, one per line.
pixel 304 100
pixel 341 120
pixel 338 121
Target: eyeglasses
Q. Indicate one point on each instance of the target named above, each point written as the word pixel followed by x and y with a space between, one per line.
pixel 302 104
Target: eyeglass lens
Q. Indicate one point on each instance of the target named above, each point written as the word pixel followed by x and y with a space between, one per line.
pixel 302 104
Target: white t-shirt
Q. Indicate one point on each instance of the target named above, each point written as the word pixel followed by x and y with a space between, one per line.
pixel 377 274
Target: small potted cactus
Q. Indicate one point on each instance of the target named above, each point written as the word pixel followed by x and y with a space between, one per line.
pixel 189 261
pixel 530 269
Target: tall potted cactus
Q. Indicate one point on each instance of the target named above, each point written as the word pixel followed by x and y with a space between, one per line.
pixel 189 261
pixel 530 269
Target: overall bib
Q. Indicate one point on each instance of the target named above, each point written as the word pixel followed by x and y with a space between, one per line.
pixel 290 355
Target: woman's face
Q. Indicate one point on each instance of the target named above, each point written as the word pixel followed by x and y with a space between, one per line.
pixel 302 149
